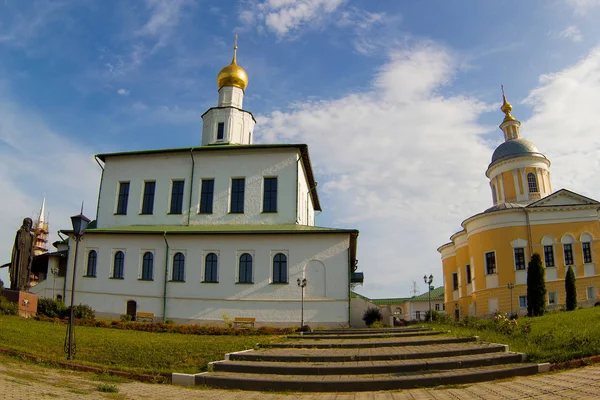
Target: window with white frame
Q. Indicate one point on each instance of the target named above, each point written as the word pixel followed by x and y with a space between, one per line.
pixel 468 273
pixel 91 264
pixel 549 256
pixel 455 281
pixel 552 298
pixel 280 268
pixel 178 267
pixel 211 268
pixel 519 258
pixel 490 263
pixel 245 268
pixel 568 250
pixel 119 265
pixel 147 266
pixel 591 292
pixel 437 307
pixel 532 183
pixel 586 247
pixel 522 301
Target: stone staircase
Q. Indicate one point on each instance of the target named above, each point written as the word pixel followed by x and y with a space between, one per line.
pixel 363 360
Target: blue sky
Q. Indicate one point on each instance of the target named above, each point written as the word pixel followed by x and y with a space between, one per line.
pixel 397 100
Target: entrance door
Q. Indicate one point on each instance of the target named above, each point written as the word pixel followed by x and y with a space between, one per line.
pixel 131 308
pixel 457 314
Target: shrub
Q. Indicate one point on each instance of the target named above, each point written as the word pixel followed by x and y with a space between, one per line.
pixel 377 325
pixel 51 308
pixel 126 318
pixel 7 307
pixel 82 311
pixel 1 285
pixel 106 388
pixel 536 287
pixel 571 289
pixel 304 328
pixel 227 320
pixel 371 315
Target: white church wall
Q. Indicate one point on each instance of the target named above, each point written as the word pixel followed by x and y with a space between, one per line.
pixel 219 165
pixel 306 210
pixel 239 126
pixel 268 302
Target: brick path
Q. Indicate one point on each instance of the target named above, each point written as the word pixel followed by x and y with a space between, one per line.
pixel 20 380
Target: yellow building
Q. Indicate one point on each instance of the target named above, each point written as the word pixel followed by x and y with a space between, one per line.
pixel 485 264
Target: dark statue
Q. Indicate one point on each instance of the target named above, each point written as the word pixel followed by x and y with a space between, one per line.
pixel 22 254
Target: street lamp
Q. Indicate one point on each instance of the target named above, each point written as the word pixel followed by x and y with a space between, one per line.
pixel 80 223
pixel 510 287
pixel 428 281
pixel 302 285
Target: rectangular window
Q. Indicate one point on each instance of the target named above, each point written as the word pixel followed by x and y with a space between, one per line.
pixel 123 198
pixel 437 307
pixel 455 281
pixel 568 249
pixel 206 196
pixel 270 195
pixel 177 197
pixel 519 258
pixel 523 301
pixel 591 293
pixel 220 130
pixel 552 298
pixel 549 256
pixel 587 252
pixel 237 195
pixel 468 269
pixel 490 263
pixel 417 314
pixel 148 200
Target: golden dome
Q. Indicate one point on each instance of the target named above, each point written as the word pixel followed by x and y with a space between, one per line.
pixel 233 74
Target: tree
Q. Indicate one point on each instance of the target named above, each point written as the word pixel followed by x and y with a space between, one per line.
pixel 371 315
pixel 536 287
pixel 571 289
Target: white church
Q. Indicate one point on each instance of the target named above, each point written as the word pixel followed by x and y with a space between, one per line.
pixel 224 229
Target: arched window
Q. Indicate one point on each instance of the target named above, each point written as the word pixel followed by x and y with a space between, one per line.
pixel 494 195
pixel 532 182
pixel 179 267
pixel 210 268
pixel 119 265
pixel 148 266
pixel 280 268
pixel 245 268
pixel 91 263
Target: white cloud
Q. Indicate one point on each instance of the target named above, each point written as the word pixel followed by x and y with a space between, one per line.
pixel 571 32
pixel 402 163
pixel 285 16
pixel 565 125
pixel 35 160
pixel 582 6
pixel 123 92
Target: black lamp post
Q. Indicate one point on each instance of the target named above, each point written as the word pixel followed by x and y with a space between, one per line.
pixel 510 287
pixel 428 281
pixel 302 285
pixel 80 223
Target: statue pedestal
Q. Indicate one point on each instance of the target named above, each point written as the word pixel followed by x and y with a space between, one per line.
pixel 27 302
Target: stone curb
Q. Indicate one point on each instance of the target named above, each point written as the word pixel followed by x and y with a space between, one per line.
pixel 159 378
pixel 364 336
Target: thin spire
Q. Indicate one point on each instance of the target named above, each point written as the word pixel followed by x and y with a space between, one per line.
pixel 506 106
pixel 81 212
pixel 42 210
pixel 235 47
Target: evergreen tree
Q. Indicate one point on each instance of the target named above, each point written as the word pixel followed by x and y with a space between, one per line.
pixel 536 287
pixel 571 289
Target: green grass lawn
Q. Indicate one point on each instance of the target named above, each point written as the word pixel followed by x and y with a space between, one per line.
pixel 555 337
pixel 125 350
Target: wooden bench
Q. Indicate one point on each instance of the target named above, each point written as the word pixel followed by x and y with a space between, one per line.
pixel 242 321
pixel 139 316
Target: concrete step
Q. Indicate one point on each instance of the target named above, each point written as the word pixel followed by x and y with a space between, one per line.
pixel 369 343
pixel 369 354
pixel 366 336
pixel 353 383
pixel 366 367
pixel 367 330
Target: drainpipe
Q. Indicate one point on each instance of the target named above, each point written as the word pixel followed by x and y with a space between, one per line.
pixel 166 277
pixel 99 189
pixel 349 288
pixel 530 244
pixel 297 188
pixel 191 185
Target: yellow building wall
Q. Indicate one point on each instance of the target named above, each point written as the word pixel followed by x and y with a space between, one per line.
pixel 498 240
pixel 509 186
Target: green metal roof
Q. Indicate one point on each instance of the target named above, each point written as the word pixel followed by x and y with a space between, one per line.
pixel 303 148
pixel 436 294
pixel 218 229
pixel 385 302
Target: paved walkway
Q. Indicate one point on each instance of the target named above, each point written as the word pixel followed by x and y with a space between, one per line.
pixel 19 380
